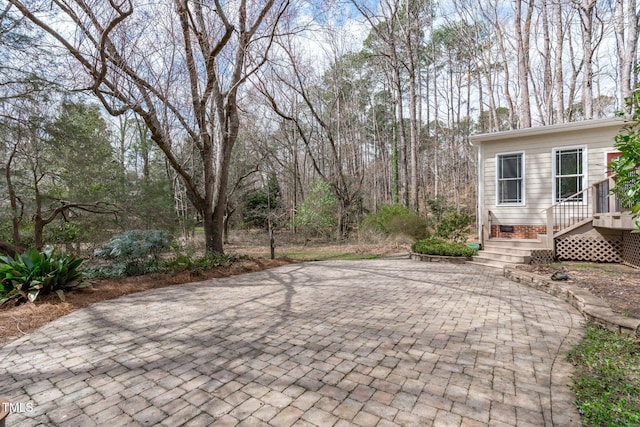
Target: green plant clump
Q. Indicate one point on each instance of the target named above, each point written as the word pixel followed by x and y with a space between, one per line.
pixel 448 222
pixel 197 265
pixel 627 168
pixel 317 214
pixel 607 378
pixel 134 252
pixel 440 247
pixel 397 219
pixel 33 273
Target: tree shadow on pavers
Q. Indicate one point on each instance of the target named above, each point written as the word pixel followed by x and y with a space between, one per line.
pixel 523 336
pixel 145 331
pixel 107 343
pixel 286 327
pixel 114 352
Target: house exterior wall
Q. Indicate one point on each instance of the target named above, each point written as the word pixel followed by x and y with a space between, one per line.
pixel 538 144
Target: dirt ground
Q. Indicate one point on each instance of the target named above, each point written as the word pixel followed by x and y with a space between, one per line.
pixel 617 284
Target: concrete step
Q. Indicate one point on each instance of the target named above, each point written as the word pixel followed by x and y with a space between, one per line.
pixel 515 243
pixel 525 252
pixel 520 257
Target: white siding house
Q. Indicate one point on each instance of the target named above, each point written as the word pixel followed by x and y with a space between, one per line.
pixel 538 186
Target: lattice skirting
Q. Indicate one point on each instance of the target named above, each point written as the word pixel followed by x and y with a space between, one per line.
pixel 594 249
pixel 631 249
pixel 541 257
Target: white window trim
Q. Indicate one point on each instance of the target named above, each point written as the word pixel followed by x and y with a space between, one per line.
pixel 585 172
pixel 524 179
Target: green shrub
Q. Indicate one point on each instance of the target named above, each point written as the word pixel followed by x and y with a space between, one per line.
pixel 134 252
pixel 33 273
pixel 413 226
pixel 440 247
pixel 260 204
pixel 196 265
pixel 397 219
pixel 453 225
pixel 447 221
pixel 317 215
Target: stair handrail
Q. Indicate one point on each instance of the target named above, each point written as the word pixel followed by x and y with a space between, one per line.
pixel 604 198
pixel 567 212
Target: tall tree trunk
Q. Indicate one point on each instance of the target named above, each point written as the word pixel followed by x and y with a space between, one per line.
pixel 558 63
pixel 587 8
pixel 626 31
pixel 522 33
pixel 547 87
pixel 220 49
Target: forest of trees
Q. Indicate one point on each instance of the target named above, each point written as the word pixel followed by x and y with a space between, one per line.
pixel 119 115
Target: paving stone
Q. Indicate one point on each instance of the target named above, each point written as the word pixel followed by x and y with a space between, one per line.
pixel 365 419
pixel 182 416
pixel 217 407
pixel 446 419
pixel 319 417
pixel 246 408
pixel 306 400
pixel 106 416
pixel 327 404
pixel 82 420
pixel 64 414
pixel 386 342
pixel 287 417
pixel 150 416
pixel 266 413
pixel 134 405
pixel 381 410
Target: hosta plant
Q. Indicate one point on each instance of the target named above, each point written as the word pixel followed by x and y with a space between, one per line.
pixel 35 273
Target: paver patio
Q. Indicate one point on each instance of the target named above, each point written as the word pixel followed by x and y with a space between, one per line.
pixel 369 343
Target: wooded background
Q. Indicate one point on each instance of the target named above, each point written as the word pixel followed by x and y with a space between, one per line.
pixel 119 114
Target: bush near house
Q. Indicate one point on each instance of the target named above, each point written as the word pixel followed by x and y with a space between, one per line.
pixel 449 222
pixel 440 247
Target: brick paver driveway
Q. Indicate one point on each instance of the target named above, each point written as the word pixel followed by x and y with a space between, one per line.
pixel 370 343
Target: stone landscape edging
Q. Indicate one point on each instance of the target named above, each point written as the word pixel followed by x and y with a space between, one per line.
pixel 439 258
pixel 592 308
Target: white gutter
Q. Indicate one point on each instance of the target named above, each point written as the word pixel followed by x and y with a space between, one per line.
pixel 543 130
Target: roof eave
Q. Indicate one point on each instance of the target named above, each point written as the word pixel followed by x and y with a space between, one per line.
pixel 543 130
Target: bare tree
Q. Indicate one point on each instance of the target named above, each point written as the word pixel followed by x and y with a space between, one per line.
pixel 589 19
pixel 627 25
pixel 523 34
pixel 323 108
pixel 558 62
pixel 179 65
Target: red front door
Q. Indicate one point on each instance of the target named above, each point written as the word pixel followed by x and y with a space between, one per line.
pixel 610 158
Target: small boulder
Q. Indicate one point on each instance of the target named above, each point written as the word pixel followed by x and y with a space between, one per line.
pixel 559 275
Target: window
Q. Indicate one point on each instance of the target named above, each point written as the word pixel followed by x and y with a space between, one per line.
pixel 569 174
pixel 510 170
